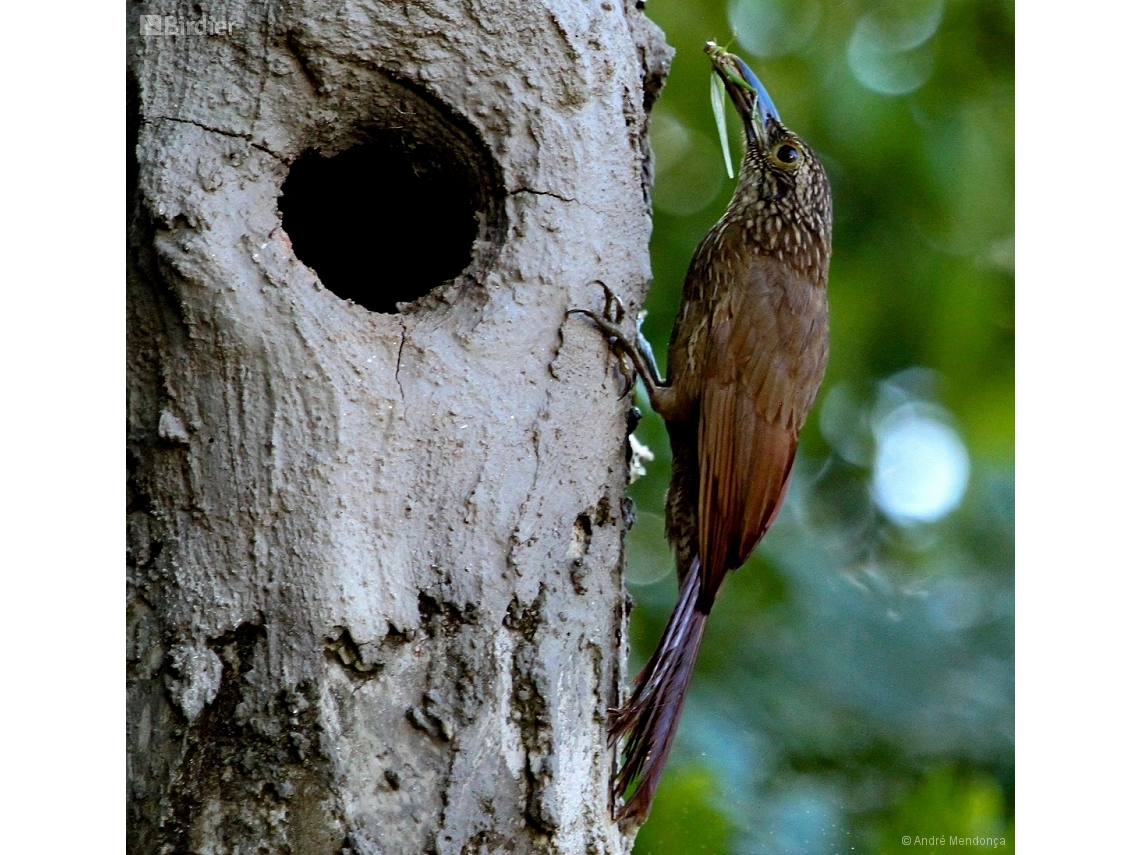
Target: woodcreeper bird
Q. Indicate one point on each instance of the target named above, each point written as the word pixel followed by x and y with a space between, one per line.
pixel 746 360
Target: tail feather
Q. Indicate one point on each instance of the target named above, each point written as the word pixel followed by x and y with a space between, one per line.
pixel 649 719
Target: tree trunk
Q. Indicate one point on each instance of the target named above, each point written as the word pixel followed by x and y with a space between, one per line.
pixel 374 544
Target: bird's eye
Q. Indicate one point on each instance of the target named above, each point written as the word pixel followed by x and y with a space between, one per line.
pixel 788 154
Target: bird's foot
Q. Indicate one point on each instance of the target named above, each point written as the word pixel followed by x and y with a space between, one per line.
pixel 609 322
pixel 637 354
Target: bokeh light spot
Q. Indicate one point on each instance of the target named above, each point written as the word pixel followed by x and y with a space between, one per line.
pixel 688 165
pixel 843 423
pixel 647 561
pixel 890 51
pixel 669 138
pixel 921 467
pixel 771 28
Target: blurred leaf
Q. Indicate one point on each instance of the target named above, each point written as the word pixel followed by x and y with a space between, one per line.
pixel 947 812
pixel 686 820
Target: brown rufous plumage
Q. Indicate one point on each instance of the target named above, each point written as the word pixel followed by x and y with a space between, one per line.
pixel 746 360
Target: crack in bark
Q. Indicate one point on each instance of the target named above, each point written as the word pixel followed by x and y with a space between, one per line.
pixel 524 507
pixel 220 131
pixel 400 356
pixel 570 200
pixel 266 31
pixel 294 47
pixel 534 192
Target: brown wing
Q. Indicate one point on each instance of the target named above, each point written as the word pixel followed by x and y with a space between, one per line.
pixel 766 357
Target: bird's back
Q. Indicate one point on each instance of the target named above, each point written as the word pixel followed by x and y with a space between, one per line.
pixel 748 355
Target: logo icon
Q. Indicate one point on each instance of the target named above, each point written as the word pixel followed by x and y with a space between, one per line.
pixel 151 25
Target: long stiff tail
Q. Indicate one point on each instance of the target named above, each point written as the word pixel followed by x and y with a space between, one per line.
pixel 649 719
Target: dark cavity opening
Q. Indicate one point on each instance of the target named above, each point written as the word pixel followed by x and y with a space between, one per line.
pixel 415 205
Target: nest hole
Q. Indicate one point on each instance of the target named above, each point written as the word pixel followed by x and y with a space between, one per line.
pixel 389 220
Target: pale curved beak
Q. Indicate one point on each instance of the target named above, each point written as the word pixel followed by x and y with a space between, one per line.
pixel 748 94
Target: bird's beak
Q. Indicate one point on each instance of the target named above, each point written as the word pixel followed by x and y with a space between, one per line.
pixel 748 94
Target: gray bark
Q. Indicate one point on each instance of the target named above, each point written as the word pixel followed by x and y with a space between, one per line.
pixel 374 590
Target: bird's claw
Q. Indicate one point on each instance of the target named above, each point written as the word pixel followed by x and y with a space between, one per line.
pixel 615 308
pixel 608 322
pixel 628 374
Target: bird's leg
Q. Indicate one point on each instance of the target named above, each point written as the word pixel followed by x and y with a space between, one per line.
pixel 646 351
pixel 639 352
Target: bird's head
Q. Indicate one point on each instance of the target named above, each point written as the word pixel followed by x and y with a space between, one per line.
pixel 783 199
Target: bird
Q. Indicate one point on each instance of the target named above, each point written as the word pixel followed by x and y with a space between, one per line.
pixel 745 363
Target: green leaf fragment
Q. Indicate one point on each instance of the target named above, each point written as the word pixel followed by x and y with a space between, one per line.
pixel 717 96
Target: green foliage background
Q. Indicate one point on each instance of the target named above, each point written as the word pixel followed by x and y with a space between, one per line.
pixel 855 686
